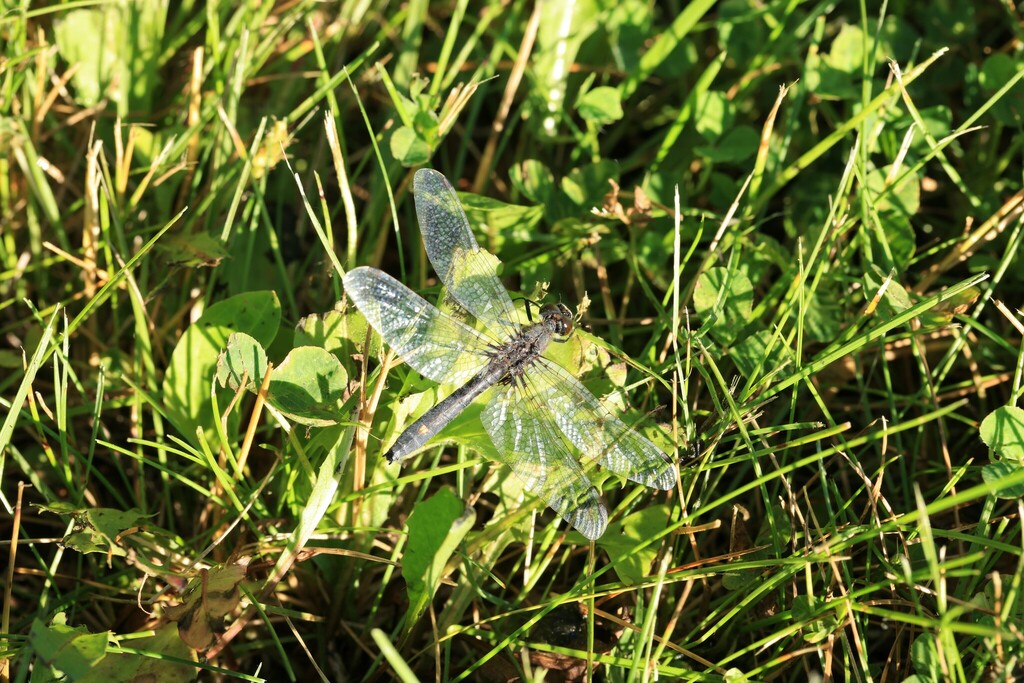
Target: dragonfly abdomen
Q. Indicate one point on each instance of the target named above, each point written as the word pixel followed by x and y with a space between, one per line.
pixel 437 418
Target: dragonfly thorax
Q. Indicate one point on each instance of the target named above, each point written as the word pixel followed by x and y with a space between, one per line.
pixel 511 360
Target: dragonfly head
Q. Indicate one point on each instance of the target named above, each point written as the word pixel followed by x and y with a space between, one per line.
pixel 558 318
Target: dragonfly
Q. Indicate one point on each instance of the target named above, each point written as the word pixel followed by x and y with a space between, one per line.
pixel 538 411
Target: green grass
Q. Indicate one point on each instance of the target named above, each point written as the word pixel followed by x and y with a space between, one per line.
pixel 825 334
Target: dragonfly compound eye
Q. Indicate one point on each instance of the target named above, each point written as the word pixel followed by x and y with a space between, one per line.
pixel 558 317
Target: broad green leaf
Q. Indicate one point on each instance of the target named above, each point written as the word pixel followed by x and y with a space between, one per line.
pixel 308 498
pixel 309 386
pixel 116 47
pixel 1002 430
pixel 242 364
pixel 847 53
pixel 987 603
pixel 534 180
pixel 735 676
pixel 602 105
pixel 466 429
pixel 749 351
pixel 830 83
pixel 153 668
pixel 336 331
pixel 938 121
pixel 996 471
pixel 513 504
pixel 820 621
pixel 740 32
pixel 804 608
pixel 726 300
pixel 955 305
pixel 653 251
pixel 622 540
pixel 409 148
pixel 823 316
pixel 899 236
pixel 436 527
pixel 68 651
pixel 896 298
pixel 714 114
pixel 425 123
pixel 581 354
pixel 924 655
pixel 738 144
pixel 587 185
pixel 88 541
pixel 996 72
pixel 764 256
pixel 194 360
pixel 627 24
pixel 904 197
pixel 97 530
pixel 99 64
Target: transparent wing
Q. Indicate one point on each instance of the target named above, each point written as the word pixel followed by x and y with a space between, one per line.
pixel 436 345
pixel 595 431
pixel 529 443
pixel 469 273
pixel 473 277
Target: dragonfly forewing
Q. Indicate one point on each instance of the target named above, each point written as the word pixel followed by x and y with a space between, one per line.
pixel 434 344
